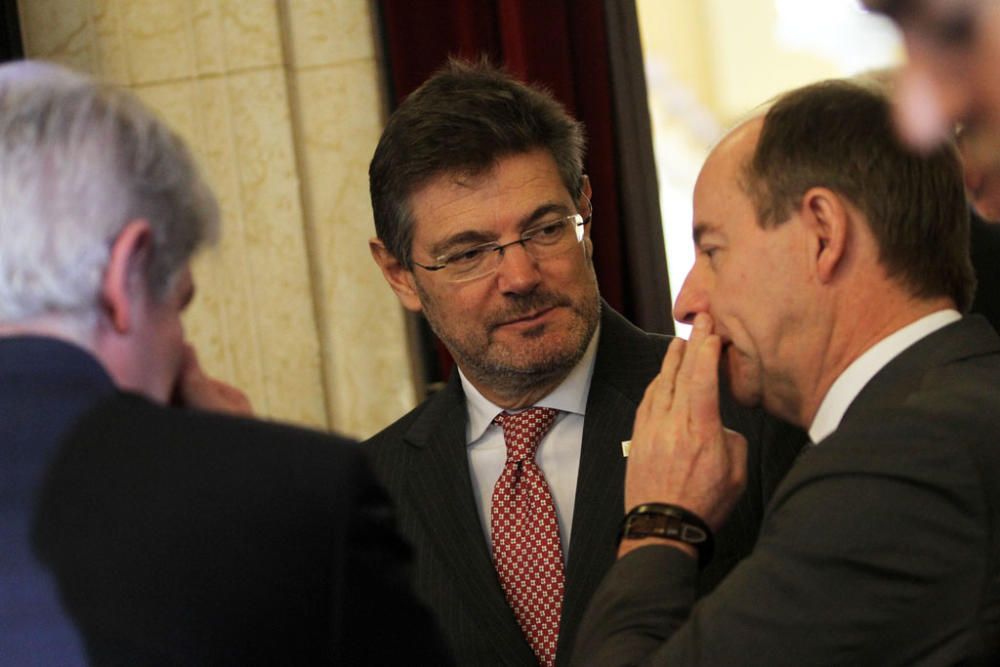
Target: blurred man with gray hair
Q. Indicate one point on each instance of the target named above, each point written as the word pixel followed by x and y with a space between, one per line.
pixel 134 532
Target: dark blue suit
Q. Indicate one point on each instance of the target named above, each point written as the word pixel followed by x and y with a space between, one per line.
pixel 44 388
pixel 179 537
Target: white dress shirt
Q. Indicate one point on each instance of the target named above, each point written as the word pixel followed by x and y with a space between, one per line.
pixel 849 384
pixel 558 453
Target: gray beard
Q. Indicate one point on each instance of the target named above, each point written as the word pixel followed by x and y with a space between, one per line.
pixel 509 380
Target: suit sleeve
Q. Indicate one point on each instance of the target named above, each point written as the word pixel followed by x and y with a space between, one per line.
pixel 386 624
pixel 871 563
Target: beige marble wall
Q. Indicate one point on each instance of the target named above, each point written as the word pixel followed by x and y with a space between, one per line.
pixel 280 101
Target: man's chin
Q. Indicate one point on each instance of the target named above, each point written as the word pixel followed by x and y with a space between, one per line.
pixel 530 360
pixel 743 391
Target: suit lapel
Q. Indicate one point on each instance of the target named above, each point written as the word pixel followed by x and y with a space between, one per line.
pixel 441 488
pixel 627 359
pixel 598 506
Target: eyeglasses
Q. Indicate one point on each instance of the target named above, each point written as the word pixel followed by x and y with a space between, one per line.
pixel 547 239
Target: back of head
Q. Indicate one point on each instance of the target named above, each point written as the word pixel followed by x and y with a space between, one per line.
pixel 78 161
pixel 463 120
pixel 839 135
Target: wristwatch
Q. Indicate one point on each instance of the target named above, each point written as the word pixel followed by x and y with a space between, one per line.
pixel 670 522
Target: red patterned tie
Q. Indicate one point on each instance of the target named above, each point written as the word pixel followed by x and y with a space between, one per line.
pixel 526 549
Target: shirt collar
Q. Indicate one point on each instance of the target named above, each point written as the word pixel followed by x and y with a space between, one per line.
pixel 854 378
pixel 569 396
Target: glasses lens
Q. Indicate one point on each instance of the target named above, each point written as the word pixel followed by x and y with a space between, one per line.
pixel 552 238
pixel 545 240
pixel 471 263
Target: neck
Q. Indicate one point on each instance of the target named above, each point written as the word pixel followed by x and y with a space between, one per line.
pixel 50 326
pixel 517 391
pixel 846 341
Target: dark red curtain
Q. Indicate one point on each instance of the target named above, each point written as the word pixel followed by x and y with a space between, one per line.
pixel 563 45
pixel 11 47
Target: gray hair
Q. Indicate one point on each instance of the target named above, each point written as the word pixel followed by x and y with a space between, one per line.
pixel 78 161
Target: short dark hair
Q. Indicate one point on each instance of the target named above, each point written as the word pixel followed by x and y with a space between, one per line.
pixel 888 7
pixel 894 9
pixel 839 135
pixel 463 119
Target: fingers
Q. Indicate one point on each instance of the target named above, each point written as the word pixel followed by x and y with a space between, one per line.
pixel 198 390
pixel 701 330
pixel 659 394
pixel 704 388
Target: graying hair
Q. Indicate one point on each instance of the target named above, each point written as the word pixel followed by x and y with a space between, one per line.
pixel 78 161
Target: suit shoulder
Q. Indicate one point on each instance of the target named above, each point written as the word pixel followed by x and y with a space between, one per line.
pixel 393 434
pixel 388 450
pixel 220 441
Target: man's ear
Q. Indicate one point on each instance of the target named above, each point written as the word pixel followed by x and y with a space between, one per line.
pixel 829 221
pixel 127 261
pixel 400 278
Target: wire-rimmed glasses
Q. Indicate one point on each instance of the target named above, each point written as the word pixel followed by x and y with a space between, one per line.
pixel 547 238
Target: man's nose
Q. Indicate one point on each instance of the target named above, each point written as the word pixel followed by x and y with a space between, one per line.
pixel 518 272
pixel 691 300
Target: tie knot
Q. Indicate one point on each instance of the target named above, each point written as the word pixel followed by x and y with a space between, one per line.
pixel 522 431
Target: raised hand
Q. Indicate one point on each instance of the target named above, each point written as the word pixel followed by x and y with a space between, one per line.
pixel 195 389
pixel 681 454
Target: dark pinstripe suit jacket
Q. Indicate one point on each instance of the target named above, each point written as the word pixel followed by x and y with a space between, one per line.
pixel 422 460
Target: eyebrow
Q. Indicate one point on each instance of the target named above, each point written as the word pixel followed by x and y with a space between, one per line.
pixel 476 237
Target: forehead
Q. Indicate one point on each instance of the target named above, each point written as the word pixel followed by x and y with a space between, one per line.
pixel 504 194
pixel 719 196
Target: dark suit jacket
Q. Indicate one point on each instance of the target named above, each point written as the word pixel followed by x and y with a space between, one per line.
pixel 880 547
pixel 422 460
pixel 186 538
pixel 984 243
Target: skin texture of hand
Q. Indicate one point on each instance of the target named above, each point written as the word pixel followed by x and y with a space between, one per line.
pixel 681 454
pixel 197 390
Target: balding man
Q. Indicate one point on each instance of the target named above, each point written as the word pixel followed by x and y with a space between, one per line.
pixel 832 269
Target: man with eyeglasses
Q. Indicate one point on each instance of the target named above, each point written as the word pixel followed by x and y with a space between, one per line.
pixel 509 480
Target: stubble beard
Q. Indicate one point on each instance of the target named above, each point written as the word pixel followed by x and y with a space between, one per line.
pixel 538 358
